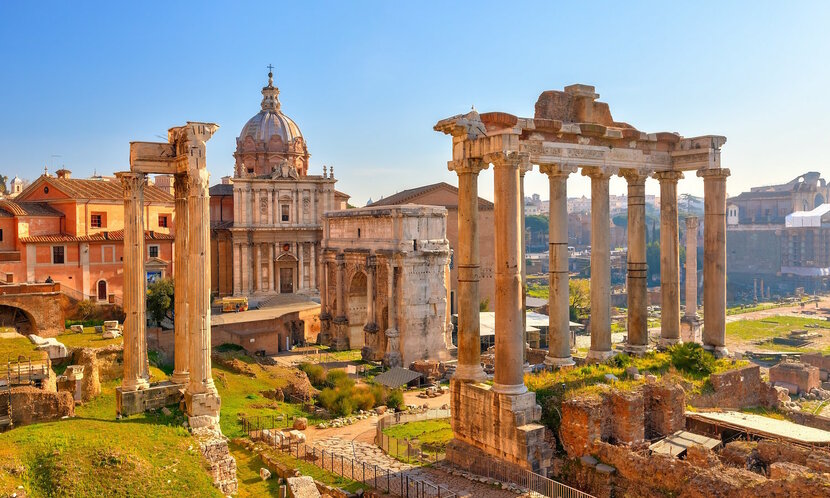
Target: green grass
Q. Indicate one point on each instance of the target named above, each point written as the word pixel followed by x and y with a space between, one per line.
pixel 247 474
pixel 541 291
pixel 769 328
pixel 11 348
pixel 432 435
pixel 315 472
pixel 89 339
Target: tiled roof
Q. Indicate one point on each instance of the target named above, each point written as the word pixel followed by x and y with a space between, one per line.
pixel 396 377
pixel 27 209
pixel 115 235
pixel 221 189
pixel 409 196
pixel 97 189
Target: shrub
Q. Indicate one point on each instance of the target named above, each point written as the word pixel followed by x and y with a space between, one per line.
pixel 363 398
pixel 692 358
pixel 338 378
pixel 621 361
pixel 316 374
pixel 395 400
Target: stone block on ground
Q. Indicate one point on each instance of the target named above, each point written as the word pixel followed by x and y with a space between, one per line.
pixel 803 376
pixel 111 334
pixel 77 329
pixel 302 487
pixel 743 454
pixel 702 457
pixel 264 474
pixel 300 424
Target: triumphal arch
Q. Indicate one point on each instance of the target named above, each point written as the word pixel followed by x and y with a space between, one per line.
pixel 184 158
pixel 570 131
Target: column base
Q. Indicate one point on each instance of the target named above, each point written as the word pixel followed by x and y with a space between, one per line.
pixel 203 408
pixel 717 351
pixel 509 388
pixel 599 356
pixel 666 343
pixel 180 378
pixel 469 373
pixel 555 362
pixel 136 385
pixel 636 349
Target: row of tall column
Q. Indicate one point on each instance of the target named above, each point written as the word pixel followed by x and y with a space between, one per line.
pixel 508 264
pixel 248 260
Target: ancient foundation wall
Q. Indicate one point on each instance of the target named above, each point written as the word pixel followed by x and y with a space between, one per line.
pixel 30 405
pixel 221 465
pixel 100 365
pixel 154 397
pixel 503 426
pixel 665 409
pixel 795 376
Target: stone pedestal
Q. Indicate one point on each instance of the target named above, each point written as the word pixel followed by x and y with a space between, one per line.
pixel 669 259
pixel 714 260
pixel 600 321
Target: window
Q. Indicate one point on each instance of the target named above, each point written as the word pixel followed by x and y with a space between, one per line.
pixel 108 254
pixel 358 233
pixel 163 221
pixel 284 212
pixel 95 222
pixel 153 251
pixel 58 255
pixel 1 235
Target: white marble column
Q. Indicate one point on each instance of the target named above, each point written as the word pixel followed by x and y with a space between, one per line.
pixel 469 339
pixel 301 266
pixel 669 259
pixel 600 322
pixel 637 284
pixel 691 267
pixel 510 343
pixel 181 355
pixel 136 365
pixel 559 333
pixel 714 260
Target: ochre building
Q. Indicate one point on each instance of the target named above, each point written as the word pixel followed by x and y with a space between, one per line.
pixel 266 226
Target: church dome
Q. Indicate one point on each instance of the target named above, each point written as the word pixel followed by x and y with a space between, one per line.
pixel 270 121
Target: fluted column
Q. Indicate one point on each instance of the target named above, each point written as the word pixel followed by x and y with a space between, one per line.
pixel 136 365
pixel 691 267
pixel 269 286
pixel 181 355
pixel 237 269
pixel 637 285
pixel 469 338
pixel 600 323
pixel 523 169
pixel 669 258
pixel 371 271
pixel 258 266
pixel 509 374
pixel 301 266
pixel 393 357
pixel 714 259
pixel 559 332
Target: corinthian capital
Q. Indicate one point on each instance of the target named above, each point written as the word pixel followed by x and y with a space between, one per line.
pixel 199 182
pixel 635 176
pixel 508 159
pixel 133 184
pixel 713 173
pixel 668 176
pixel 465 166
pixel 181 187
pixel 599 172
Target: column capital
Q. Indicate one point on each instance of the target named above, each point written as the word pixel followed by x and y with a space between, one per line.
pixel 692 222
pixel 133 182
pixel 467 166
pixel 668 176
pixel 557 170
pixel 599 172
pixel 181 186
pixel 713 173
pixel 199 183
pixel 508 159
pixel 635 176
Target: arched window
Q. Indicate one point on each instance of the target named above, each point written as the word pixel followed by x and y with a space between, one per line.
pixel 102 290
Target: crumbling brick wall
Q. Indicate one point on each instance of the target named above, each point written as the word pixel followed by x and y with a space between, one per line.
pixel 221 465
pixel 665 409
pixel 796 376
pixel 734 390
pixel 30 404
pixel 583 421
pixel 627 416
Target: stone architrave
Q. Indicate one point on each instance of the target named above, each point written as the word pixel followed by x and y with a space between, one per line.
pixel 637 266
pixel 181 361
pixel 714 259
pixel 600 322
pixel 559 333
pixel 136 363
pixel 509 374
pixel 669 258
pixel 469 338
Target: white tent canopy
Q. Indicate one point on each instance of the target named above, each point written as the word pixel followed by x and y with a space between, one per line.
pixel 487 322
pixel 807 218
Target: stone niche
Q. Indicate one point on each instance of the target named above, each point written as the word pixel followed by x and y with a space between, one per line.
pixel 796 376
pixel 488 425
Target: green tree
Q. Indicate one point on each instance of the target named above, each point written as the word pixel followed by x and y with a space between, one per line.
pixel 160 299
pixel 579 298
pixel 86 308
pixel 3 180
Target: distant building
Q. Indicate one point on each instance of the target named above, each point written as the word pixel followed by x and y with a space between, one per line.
pixel 72 230
pixel 778 238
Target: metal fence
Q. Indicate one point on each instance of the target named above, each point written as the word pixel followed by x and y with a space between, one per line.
pixel 406 451
pixel 504 472
pixel 398 483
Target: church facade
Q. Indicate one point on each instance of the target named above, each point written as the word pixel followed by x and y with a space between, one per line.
pixel 266 221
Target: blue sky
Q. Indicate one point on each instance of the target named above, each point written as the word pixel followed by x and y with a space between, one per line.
pixel 366 81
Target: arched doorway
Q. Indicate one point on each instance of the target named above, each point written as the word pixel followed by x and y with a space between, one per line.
pixel 356 310
pixel 17 319
pixel 285 273
pixel 102 290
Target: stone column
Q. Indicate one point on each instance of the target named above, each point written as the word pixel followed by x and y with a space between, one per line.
pixel 669 258
pixel 181 356
pixel 714 260
pixel 523 169
pixel 338 286
pixel 325 312
pixel 313 266
pixel 393 357
pixel 136 365
pixel 258 266
pixel 559 331
pixel 244 277
pixel 691 267
pixel 469 339
pixel 340 339
pixel 237 268
pixel 371 266
pixel 510 343
pixel 270 284
pixel 201 397
pixel 301 266
pixel 637 266
pixel 600 323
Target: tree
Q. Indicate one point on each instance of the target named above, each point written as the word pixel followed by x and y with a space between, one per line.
pixel 160 299
pixel 579 298
pixel 86 308
pixel 3 180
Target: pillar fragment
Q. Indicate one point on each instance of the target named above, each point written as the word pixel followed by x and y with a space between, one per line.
pixel 469 339
pixel 714 259
pixel 637 277
pixel 669 258
pixel 181 355
pixel 600 322
pixel 559 332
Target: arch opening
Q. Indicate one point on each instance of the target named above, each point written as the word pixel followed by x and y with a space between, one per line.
pixel 16 319
pixel 356 310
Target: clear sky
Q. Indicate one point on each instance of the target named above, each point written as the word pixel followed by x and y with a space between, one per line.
pixel 366 81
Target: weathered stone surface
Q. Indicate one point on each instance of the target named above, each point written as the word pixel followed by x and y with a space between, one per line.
pixel 221 465
pixel 583 420
pixel 302 487
pixel 787 470
pixel 791 373
pixel 743 454
pixel 734 389
pixel 778 451
pixel 264 474
pixel 702 457
pixel 627 416
pixel 30 405
pixel 300 423
pixel 155 396
pixel 665 408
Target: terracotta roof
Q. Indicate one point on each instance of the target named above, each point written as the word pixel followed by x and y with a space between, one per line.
pixel 221 189
pixel 27 208
pixel 410 196
pixel 115 235
pixel 96 189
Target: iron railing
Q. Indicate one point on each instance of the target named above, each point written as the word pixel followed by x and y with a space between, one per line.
pixel 503 472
